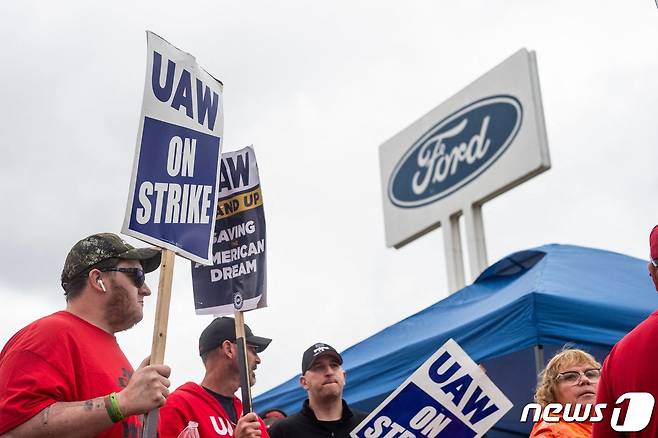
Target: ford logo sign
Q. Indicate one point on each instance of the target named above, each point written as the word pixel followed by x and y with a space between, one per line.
pixel 455 151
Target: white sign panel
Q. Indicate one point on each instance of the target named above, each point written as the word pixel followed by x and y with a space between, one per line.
pixel 448 396
pixel 486 139
pixel 174 185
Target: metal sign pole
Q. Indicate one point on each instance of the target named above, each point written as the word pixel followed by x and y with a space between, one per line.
pixel 454 256
pixel 539 358
pixel 477 247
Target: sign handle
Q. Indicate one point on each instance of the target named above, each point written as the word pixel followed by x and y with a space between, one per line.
pixel 245 383
pixel 162 307
pixel 160 328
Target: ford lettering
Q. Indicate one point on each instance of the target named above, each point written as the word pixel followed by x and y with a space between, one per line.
pixel 455 151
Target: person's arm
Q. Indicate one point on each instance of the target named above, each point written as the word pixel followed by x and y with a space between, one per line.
pixel 146 390
pixel 70 419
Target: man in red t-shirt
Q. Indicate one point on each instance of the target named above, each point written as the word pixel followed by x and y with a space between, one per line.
pixel 631 366
pixel 64 375
pixel 213 404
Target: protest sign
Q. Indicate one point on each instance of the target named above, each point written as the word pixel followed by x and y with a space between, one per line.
pixel 237 279
pixel 173 189
pixel 448 396
pixel 175 178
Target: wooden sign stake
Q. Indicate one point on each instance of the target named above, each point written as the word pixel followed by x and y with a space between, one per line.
pixel 160 328
pixel 245 372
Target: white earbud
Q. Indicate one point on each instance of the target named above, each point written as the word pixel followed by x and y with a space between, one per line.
pixel 100 282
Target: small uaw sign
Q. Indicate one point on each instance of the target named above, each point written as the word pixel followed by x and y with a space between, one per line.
pixel 483 141
pixel 448 396
pixel 173 189
pixel 237 280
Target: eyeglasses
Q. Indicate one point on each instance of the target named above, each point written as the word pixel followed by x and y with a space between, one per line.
pixel 573 377
pixel 654 262
pixel 137 274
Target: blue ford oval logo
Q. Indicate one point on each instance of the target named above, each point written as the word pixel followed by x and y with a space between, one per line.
pixel 455 151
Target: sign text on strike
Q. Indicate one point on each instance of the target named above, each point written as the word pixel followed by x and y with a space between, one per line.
pixel 180 203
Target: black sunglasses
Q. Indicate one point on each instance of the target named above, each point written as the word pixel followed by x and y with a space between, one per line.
pixel 137 274
pixel 654 262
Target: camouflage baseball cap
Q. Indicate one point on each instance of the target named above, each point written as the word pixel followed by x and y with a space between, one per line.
pixel 94 249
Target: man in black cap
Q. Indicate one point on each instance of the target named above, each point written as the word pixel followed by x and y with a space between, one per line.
pixel 65 375
pixel 324 413
pixel 212 403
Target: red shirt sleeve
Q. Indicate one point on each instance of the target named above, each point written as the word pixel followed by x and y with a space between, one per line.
pixel 28 384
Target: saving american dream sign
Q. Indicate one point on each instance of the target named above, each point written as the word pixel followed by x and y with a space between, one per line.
pixel 486 139
pixel 173 189
pixel 448 396
pixel 237 279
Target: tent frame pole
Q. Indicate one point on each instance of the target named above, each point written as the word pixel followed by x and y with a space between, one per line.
pixel 539 358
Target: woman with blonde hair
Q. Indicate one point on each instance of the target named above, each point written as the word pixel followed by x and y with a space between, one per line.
pixel 570 377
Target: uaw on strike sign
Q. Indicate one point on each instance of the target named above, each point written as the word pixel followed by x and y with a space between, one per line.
pixel 173 189
pixel 448 396
pixel 237 278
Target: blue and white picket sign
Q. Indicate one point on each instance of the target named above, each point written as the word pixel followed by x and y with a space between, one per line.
pixel 448 396
pixel 175 178
pixel 237 280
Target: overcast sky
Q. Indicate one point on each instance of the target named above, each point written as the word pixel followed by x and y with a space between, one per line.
pixel 316 87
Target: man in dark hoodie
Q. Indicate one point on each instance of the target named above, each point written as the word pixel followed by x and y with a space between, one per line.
pixel 324 413
pixel 213 404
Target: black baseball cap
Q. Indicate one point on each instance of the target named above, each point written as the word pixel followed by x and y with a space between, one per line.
pixel 317 350
pixel 223 329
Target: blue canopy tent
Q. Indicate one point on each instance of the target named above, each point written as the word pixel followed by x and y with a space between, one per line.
pixel 546 297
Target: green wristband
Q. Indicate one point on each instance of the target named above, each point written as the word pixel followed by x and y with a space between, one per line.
pixel 113 409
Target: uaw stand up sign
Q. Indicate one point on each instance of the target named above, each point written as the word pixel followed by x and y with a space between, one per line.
pixel 484 140
pixel 237 279
pixel 448 396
